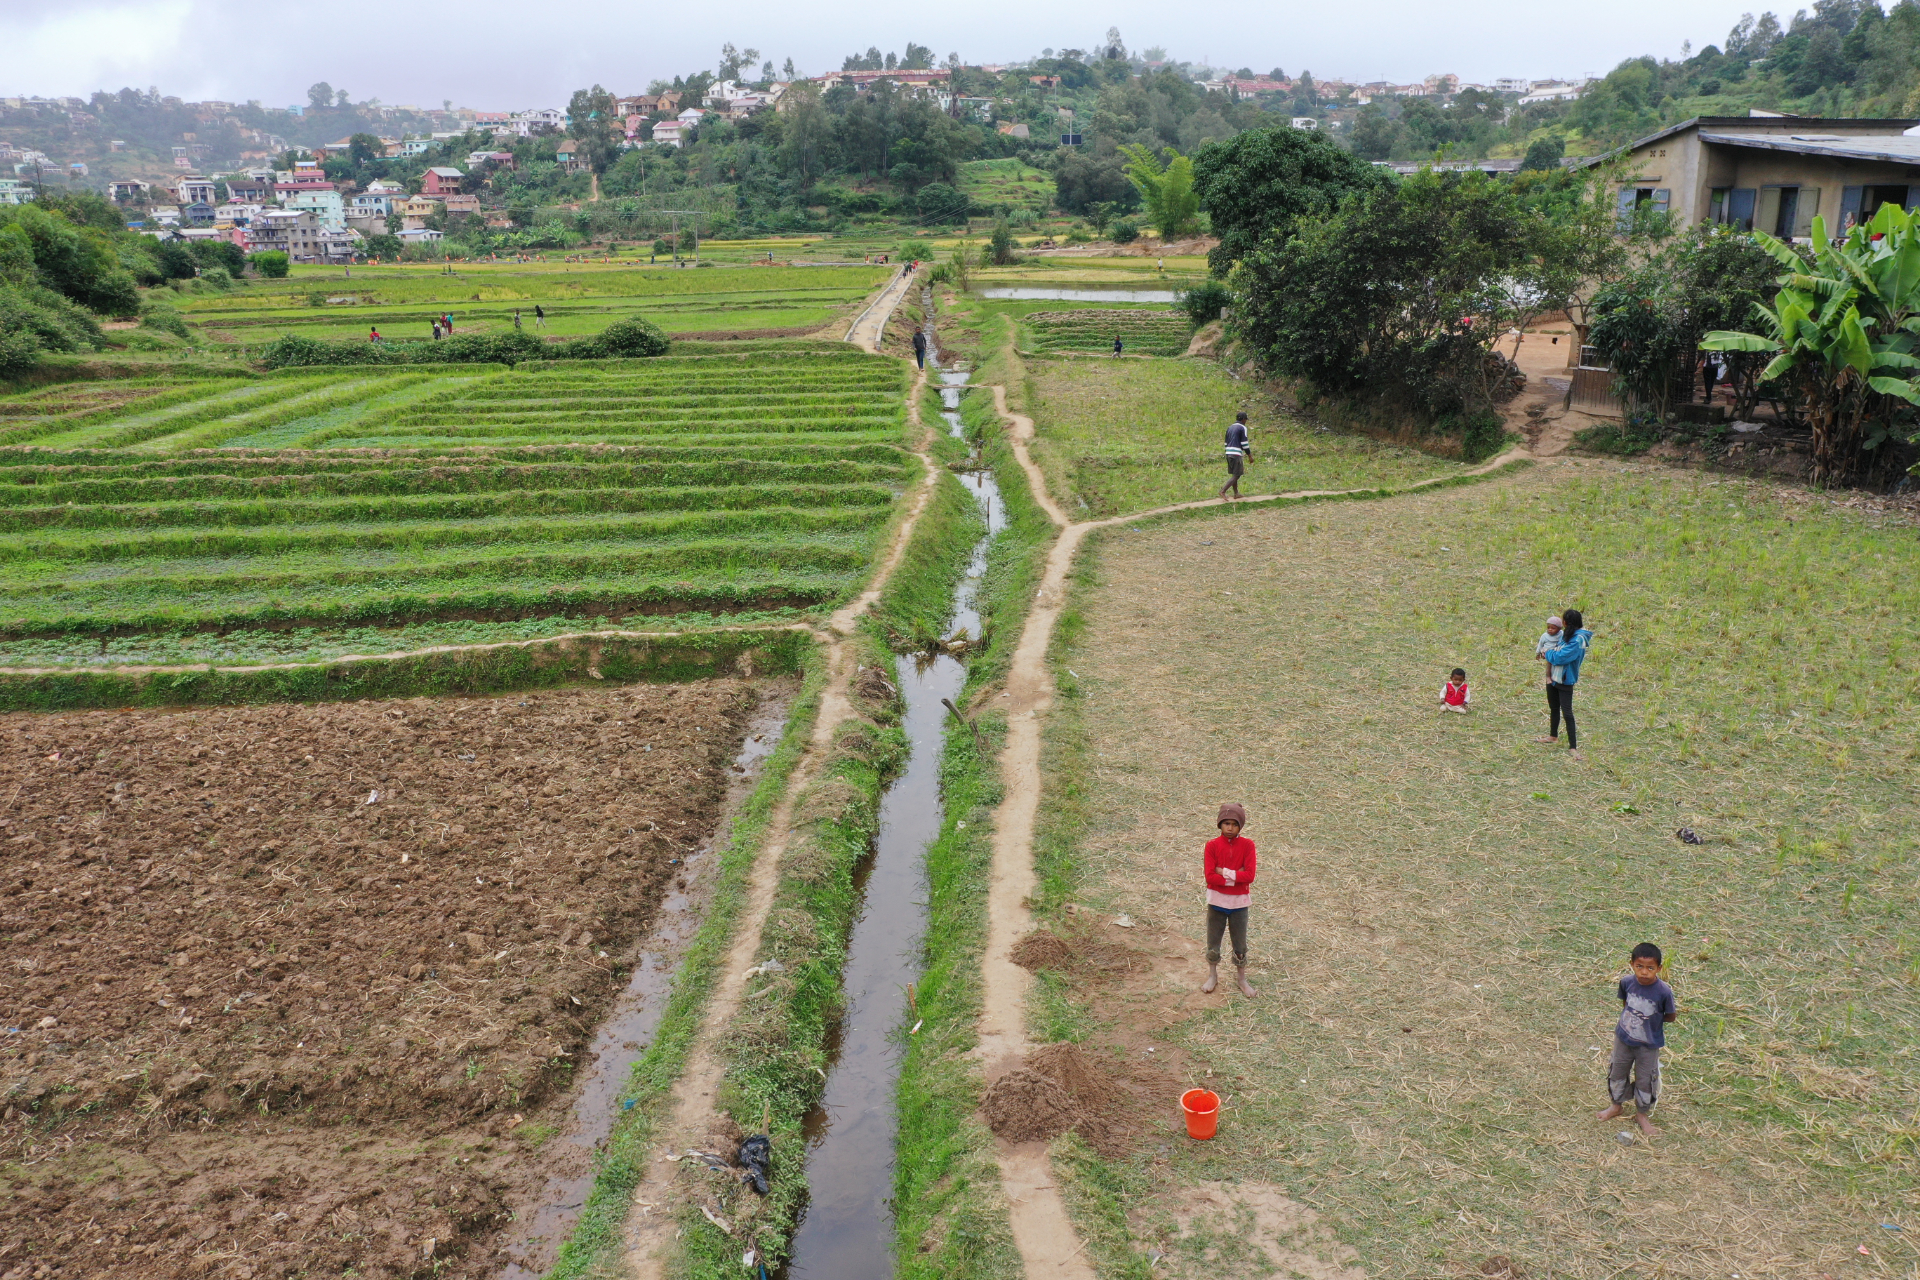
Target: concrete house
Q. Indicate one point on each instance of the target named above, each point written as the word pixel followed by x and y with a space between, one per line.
pixel 441 182
pixel 1774 173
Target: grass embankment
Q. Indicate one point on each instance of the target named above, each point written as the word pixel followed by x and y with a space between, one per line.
pixel 1125 435
pixel 1443 905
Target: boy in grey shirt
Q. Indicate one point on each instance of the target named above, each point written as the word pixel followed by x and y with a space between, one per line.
pixel 1646 1006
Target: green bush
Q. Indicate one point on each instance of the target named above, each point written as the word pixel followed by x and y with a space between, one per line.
pixel 1124 232
pixel 220 255
pixel 271 263
pixel 1483 437
pixel 160 316
pixel 621 340
pixel 19 351
pixel 915 250
pixel 1204 301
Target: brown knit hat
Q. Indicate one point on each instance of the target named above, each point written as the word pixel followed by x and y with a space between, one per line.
pixel 1231 812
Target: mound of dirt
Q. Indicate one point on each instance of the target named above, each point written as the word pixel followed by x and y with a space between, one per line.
pixel 1084 956
pixel 1063 1086
pixel 1025 1105
pixel 289 960
pixel 1042 950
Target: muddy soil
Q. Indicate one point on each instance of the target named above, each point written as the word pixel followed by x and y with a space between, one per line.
pixel 285 987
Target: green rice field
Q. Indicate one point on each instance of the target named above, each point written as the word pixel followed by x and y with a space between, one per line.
pixel 577 297
pixel 1143 331
pixel 306 503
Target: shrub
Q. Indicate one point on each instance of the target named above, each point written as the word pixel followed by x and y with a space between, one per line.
pixel 19 352
pixel 221 255
pixel 916 250
pixel 623 339
pixel 1204 302
pixel 176 259
pixel 55 323
pixel 271 263
pixel 160 316
pixel 1483 436
pixel 1124 232
pixel 384 246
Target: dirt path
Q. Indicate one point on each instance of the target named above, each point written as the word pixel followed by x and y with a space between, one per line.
pixel 1042 1231
pixel 651 1236
pixel 871 325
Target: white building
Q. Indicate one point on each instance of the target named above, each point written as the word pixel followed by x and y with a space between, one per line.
pixel 1554 91
pixel 670 132
pixel 1306 122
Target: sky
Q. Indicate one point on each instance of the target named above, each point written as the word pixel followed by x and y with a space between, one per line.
pixel 499 55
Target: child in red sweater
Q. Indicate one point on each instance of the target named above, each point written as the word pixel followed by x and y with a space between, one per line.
pixel 1230 868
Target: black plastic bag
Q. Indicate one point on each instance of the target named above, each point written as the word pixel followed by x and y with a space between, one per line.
pixel 756 1154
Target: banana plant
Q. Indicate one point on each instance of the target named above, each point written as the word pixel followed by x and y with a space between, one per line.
pixel 1843 332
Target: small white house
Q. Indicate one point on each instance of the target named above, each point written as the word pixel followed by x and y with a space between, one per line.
pixel 671 132
pixel 422 235
pixel 1306 122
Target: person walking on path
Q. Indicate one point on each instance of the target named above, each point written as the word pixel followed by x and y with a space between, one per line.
pixel 1239 449
pixel 1116 346
pixel 539 316
pixel 1563 661
pixel 920 347
pixel 446 322
pixel 1646 1006
pixel 1230 863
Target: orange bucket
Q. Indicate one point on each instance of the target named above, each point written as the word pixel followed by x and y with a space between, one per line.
pixel 1203 1112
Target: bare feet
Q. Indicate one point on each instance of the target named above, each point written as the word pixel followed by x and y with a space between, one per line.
pixel 1213 980
pixel 1575 754
pixel 1546 742
pixel 1646 1125
pixel 1615 1110
pixel 1246 988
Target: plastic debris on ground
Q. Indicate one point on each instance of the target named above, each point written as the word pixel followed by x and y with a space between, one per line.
pixel 756 1157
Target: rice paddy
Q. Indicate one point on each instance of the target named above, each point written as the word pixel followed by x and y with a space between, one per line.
pixel 697 487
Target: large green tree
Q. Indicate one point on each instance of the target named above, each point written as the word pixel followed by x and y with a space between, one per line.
pixel 591 125
pixel 1264 180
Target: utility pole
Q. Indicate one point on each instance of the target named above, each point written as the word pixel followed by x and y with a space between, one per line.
pixel 691 213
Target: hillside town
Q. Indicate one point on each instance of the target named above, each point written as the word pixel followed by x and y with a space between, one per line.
pixel 280 196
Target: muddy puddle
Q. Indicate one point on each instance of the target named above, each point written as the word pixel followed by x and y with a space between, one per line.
pixel 533 1240
pixel 847 1230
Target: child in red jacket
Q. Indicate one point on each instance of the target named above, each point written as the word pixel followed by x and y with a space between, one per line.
pixel 1230 866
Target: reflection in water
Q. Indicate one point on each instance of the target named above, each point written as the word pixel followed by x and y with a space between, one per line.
pixel 1079 295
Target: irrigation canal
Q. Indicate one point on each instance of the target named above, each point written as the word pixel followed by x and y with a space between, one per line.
pixel 847 1231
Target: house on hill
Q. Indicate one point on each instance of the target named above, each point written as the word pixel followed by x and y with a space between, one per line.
pixel 567 156
pixel 1771 173
pixel 440 181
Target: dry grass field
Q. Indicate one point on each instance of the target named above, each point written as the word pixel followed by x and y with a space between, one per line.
pixel 1443 905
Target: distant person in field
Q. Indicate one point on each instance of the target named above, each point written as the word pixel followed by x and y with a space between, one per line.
pixel 1117 345
pixel 1230 863
pixel 920 347
pixel 516 317
pixel 446 322
pixel 1646 1006
pixel 1239 449
pixel 539 316
pixel 1565 659
pixel 1550 638
pixel 373 334
pixel 436 331
pixel 1454 694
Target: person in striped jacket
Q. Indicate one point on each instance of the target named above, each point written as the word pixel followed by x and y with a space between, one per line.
pixel 1239 449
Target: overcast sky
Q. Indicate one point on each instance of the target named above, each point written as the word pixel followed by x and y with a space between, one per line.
pixel 509 54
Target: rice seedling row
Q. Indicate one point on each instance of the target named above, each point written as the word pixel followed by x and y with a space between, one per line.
pixel 1147 332
pixel 763 485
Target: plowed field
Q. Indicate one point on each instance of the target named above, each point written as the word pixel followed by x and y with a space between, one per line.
pixel 279 983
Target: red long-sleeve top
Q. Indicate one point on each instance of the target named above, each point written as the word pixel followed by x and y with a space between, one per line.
pixel 1231 866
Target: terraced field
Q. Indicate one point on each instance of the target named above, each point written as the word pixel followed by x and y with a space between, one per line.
pixel 578 298
pixel 705 485
pixel 1145 332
